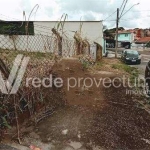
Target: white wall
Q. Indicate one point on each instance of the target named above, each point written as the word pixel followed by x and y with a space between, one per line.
pixel 91 30
pixel 122 37
pixel 43 41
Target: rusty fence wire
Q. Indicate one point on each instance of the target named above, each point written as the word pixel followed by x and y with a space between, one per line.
pixel 37 43
pixel 68 48
pixel 43 52
pixel 31 43
pixel 29 100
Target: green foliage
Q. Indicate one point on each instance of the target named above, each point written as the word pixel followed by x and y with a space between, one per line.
pixel 123 67
pixel 99 65
pixel 8 29
pixel 15 28
pixel 5 123
pixel 107 33
pixel 86 61
pixel 110 32
pixel 85 65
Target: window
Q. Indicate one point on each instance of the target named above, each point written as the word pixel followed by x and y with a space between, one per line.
pixel 126 35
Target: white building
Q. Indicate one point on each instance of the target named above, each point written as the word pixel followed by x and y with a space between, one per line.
pixel 42 40
pixel 90 30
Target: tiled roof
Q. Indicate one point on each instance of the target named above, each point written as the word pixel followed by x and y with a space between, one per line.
pixel 125 31
pixel 143 40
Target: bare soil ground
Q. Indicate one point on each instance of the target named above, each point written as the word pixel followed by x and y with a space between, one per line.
pixel 104 117
pixel 97 118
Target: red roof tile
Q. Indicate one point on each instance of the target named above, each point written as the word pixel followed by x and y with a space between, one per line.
pixel 122 32
pixel 143 40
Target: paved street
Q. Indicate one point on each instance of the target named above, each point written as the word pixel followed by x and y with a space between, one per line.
pixel 141 67
pixel 145 56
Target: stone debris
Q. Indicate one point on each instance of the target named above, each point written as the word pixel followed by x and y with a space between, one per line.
pixel 65 132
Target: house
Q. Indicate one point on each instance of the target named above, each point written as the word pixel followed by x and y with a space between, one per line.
pixel 139 33
pixel 143 42
pixel 147 32
pixel 125 38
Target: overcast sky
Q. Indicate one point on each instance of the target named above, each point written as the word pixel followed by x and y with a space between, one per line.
pixel 86 10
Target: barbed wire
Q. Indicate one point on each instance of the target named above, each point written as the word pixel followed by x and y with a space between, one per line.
pixel 44 27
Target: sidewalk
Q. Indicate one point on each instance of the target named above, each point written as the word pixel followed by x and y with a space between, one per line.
pixel 113 49
pixel 111 54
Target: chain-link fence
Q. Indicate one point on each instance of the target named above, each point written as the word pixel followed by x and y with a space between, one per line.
pixel 37 43
pixel 37 95
pixel 68 48
pixel 31 43
pixel 44 51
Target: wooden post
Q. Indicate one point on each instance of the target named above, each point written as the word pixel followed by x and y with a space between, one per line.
pixel 117 24
pixel 98 52
pixel 59 38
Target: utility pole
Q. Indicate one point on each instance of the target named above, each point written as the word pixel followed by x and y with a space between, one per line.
pixel 117 24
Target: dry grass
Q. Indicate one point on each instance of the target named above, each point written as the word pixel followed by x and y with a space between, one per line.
pixel 10 55
pixel 107 65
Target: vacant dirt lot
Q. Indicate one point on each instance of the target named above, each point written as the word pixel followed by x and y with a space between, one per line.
pixel 104 117
pixel 94 118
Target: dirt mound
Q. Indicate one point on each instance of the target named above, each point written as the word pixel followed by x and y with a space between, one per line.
pixel 73 73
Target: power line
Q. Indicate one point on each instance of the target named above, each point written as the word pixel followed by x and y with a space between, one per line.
pixel 123 8
pixel 122 4
pixel 110 16
pixel 129 10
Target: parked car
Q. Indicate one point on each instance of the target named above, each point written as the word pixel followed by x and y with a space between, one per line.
pixel 131 57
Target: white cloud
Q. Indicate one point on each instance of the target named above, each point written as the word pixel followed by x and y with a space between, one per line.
pixel 87 9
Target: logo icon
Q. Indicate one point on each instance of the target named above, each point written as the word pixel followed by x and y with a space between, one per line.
pixel 12 84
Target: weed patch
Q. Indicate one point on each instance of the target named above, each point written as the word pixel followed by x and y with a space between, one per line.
pixel 123 67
